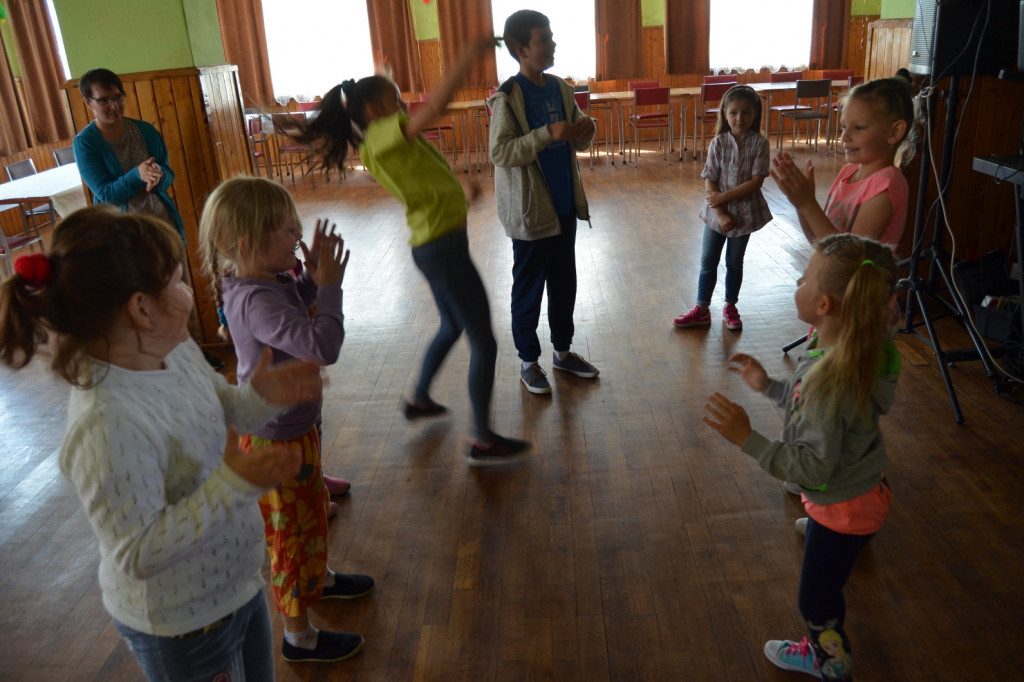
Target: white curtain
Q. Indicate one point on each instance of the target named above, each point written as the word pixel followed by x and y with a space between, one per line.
pixel 750 34
pixel 572 24
pixel 315 44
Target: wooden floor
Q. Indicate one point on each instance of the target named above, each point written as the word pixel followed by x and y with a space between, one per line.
pixel 635 543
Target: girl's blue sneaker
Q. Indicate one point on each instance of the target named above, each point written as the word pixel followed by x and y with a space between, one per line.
pixel 796 656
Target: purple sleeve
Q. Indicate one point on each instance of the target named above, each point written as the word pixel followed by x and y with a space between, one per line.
pixel 275 322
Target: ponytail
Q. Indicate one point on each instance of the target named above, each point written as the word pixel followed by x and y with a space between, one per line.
pixel 341 119
pixel 860 274
pixel 99 258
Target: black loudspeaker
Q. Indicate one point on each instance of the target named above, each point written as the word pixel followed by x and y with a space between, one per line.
pixel 945 36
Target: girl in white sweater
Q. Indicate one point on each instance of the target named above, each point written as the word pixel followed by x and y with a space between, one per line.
pixel 151 442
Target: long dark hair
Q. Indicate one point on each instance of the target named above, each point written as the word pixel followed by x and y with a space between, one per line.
pixel 743 93
pixel 341 118
pixel 99 258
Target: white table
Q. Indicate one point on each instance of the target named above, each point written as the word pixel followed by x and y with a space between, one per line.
pixel 61 185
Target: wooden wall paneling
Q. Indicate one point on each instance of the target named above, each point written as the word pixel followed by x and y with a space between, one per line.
pixel 430 64
pixel 888 47
pixel 856 50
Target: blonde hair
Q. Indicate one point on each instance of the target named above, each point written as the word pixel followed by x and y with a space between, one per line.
pixel 860 274
pixel 241 207
pixel 890 99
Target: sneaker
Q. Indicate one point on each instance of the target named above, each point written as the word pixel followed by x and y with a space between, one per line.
pixel 535 379
pixel 796 656
pixel 694 318
pixel 575 364
pixel 348 586
pixel 731 316
pixel 414 409
pixel 332 510
pixel 500 451
pixel 801 526
pixel 792 488
pixel 330 646
pixel 336 486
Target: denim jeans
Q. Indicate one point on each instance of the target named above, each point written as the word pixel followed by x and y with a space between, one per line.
pixel 241 650
pixel 552 262
pixel 711 253
pixel 462 303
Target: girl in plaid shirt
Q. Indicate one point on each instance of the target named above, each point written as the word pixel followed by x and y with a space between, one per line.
pixel 737 163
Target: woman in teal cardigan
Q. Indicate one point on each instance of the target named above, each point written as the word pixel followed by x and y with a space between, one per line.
pixel 123 160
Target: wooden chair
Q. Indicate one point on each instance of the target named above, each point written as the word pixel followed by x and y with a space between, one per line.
pixel 442 129
pixel 64 155
pixel 818 97
pixel 583 102
pixel 31 214
pixel 288 150
pixel 432 133
pixel 707 111
pixel 259 144
pixel 722 78
pixel 10 244
pixel 779 77
pixel 650 120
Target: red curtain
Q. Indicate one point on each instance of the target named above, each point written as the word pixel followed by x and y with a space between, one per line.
pixel 829 34
pixel 619 27
pixel 394 42
pixel 245 45
pixel 687 31
pixel 460 24
pixel 41 72
pixel 12 132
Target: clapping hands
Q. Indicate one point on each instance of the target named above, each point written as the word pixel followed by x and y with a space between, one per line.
pixel 327 259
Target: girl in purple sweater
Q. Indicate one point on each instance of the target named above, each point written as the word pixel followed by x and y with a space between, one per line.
pixel 251 228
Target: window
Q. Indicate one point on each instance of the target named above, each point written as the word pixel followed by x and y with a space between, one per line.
pixel 306 61
pixel 60 39
pixel 749 34
pixel 572 24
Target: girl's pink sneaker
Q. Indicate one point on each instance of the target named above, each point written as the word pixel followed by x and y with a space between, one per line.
pixel 336 486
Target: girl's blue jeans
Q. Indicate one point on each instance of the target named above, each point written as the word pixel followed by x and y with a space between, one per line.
pixel 462 303
pixel 241 650
pixel 711 253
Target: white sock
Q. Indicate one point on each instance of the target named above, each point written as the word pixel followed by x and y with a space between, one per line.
pixel 307 639
pixel 560 354
pixel 528 365
pixel 329 578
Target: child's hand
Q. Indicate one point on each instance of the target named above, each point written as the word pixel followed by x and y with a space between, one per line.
pixel 725 220
pixel 327 259
pixel 562 130
pixel 715 199
pixel 728 418
pixel 797 185
pixel 288 383
pixel 751 371
pixel 266 467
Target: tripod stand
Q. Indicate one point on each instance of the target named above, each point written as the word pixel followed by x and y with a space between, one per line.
pixel 918 288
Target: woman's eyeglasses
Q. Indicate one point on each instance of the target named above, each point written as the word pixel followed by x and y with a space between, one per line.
pixel 104 101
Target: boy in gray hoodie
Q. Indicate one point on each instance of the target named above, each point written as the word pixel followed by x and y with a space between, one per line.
pixel 536 130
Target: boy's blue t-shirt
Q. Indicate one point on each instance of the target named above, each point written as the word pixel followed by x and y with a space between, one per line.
pixel 544 106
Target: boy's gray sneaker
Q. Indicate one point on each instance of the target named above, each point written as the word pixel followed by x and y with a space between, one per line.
pixel 535 379
pixel 575 364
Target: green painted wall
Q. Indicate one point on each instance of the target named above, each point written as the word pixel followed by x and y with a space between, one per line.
pixel 204 32
pixel 12 54
pixel 897 9
pixel 424 19
pixel 652 12
pixel 865 7
pixel 128 36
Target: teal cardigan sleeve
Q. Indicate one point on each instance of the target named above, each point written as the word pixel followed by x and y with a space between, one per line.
pixel 101 170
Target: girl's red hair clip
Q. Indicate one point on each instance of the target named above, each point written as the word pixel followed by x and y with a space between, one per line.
pixel 35 268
